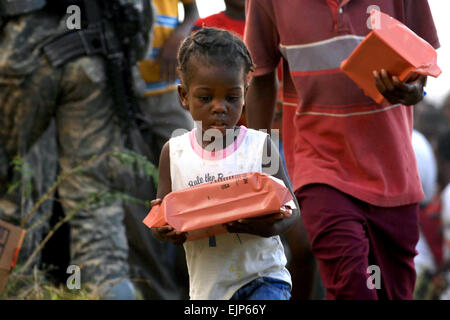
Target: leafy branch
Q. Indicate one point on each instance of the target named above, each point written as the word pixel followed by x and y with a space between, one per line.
pixel 125 157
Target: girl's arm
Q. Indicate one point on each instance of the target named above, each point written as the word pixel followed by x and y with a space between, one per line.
pixel 278 222
pixel 165 233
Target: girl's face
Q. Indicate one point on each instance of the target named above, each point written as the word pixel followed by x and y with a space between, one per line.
pixel 214 95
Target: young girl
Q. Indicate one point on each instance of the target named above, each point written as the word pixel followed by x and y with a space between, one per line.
pixel 248 262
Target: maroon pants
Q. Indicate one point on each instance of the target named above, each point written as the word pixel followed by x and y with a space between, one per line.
pixel 348 235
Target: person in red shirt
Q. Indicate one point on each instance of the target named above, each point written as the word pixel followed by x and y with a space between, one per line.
pixel 353 165
pixel 232 19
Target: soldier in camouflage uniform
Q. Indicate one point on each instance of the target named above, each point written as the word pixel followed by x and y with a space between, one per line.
pixel 32 93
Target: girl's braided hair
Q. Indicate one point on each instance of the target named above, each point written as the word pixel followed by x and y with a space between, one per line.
pixel 213 44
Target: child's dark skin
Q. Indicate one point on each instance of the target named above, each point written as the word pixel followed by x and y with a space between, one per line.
pixel 215 96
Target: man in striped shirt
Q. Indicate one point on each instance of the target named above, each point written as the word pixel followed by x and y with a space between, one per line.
pixel 161 103
pixel 351 160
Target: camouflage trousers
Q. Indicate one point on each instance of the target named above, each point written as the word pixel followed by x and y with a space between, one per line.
pixel 76 97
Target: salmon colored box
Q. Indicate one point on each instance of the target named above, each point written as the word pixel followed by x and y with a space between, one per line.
pixel 391 46
pixel 202 210
pixel 11 238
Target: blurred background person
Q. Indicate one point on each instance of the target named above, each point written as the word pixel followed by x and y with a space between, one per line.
pixel 429 253
pixel 443 154
pixel 159 71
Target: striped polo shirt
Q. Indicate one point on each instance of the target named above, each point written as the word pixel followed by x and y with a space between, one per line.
pixel 166 22
pixel 339 136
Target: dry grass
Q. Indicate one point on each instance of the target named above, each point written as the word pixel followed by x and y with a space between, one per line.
pixel 36 286
pixel 27 283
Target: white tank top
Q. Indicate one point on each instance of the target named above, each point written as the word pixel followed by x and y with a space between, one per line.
pixel 218 267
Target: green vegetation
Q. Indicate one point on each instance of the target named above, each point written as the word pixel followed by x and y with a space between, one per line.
pixel 27 282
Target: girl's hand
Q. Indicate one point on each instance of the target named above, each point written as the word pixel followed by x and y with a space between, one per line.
pixel 167 233
pixel 265 226
pixel 408 93
pixel 155 202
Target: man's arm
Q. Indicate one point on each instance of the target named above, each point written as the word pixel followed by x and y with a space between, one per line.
pixel 261 101
pixel 190 16
pixel 169 51
pixel 262 39
pixel 408 93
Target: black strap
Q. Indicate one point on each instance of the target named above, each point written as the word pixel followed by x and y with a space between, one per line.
pixel 17 7
pixel 93 12
pixel 75 44
pixel 4 169
pixel 98 38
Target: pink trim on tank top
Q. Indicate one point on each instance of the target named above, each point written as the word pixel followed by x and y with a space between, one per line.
pixel 221 154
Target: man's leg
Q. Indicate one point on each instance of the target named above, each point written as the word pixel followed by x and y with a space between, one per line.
pixel 335 225
pixel 393 234
pixel 86 128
